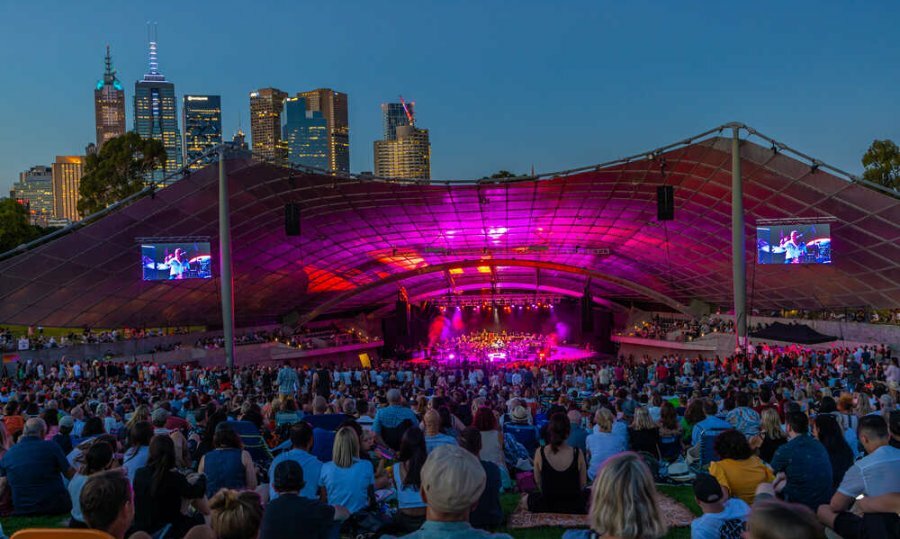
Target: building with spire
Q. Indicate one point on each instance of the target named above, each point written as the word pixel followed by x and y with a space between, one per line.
pixel 266 106
pixel 405 151
pixel 156 114
pixel 109 104
pixel 333 107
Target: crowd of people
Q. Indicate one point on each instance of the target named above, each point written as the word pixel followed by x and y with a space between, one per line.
pixel 673 329
pixel 35 339
pixel 778 443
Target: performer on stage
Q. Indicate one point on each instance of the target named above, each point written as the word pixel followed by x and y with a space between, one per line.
pixel 177 263
pixel 793 248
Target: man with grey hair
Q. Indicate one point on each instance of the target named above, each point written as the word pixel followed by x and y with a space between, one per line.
pixel 393 416
pixel 32 469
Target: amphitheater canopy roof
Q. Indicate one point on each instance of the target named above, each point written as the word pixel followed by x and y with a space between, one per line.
pixel 362 238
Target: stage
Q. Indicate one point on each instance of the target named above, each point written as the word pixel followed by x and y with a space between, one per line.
pixel 566 354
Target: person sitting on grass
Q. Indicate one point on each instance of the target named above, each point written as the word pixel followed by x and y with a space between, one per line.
pixel 107 504
pixel 488 514
pixel 623 502
pixel 452 482
pixel 233 515
pixel 739 471
pixel 292 515
pixel 722 516
pixel 33 469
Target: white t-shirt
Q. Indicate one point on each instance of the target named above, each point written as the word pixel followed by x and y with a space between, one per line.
pixel 708 526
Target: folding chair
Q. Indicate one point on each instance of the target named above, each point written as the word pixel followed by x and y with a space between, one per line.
pixel 253 442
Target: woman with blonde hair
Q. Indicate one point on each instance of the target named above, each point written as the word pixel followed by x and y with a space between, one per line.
pixel 347 480
pixel 233 515
pixel 603 443
pixel 643 434
pixel 863 405
pixel 623 501
pixel 771 435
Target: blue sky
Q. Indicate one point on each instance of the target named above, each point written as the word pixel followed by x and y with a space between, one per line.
pixel 500 84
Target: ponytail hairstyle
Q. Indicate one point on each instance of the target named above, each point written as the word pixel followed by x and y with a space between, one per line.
pixel 235 515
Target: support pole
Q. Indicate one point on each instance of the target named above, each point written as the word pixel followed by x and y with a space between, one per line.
pixel 225 278
pixel 738 241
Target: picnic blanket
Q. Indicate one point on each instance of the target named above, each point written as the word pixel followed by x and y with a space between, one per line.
pixel 676 515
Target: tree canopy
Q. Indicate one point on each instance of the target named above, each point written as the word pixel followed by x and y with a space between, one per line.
pixel 14 226
pixel 500 174
pixel 118 170
pixel 882 162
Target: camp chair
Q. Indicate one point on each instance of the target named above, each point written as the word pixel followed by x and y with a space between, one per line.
pixel 253 442
pixel 393 435
pixel 60 533
pixel 323 444
pixel 707 447
pixel 527 435
pixel 670 447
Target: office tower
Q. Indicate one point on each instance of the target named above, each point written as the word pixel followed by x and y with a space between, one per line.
pixel 408 156
pixel 239 141
pixel 109 105
pixel 333 106
pixel 305 133
pixel 265 123
pixel 67 172
pixel 395 115
pixel 34 190
pixel 202 125
pixel 156 114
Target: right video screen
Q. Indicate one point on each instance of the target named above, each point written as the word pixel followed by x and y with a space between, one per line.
pixel 794 244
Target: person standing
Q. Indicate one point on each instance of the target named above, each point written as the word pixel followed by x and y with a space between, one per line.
pixel 287 381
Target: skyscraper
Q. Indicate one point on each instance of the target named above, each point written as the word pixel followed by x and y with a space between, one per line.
pixel 67 172
pixel 156 114
pixel 333 106
pixel 408 156
pixel 306 134
pixel 239 141
pixel 395 115
pixel 265 123
pixel 35 190
pixel 202 124
pixel 405 151
pixel 109 105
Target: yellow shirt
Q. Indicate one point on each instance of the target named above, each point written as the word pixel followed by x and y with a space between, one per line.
pixel 741 477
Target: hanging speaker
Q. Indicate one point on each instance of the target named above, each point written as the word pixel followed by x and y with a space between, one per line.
pixel 587 314
pixel 665 203
pixel 292 219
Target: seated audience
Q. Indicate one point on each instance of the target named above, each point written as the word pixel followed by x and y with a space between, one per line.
pixel 773 519
pixel 876 474
pixel 227 465
pixel 233 515
pixel 805 463
pixel 33 470
pixel 623 502
pixel 98 458
pixel 828 432
pixel 643 434
pixel 608 438
pixel 407 481
pixel 107 504
pixel 293 515
pixel 723 516
pixel 452 483
pixel 347 480
pixel 138 451
pixel 771 435
pixel 301 435
pixel 433 436
pixel 560 472
pixel 739 471
pixel 488 514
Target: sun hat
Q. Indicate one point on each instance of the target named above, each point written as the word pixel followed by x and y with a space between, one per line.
pixel 519 414
pixel 452 479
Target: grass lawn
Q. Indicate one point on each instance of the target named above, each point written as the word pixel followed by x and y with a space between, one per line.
pixel 509 502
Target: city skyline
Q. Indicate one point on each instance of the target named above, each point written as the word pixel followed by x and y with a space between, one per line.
pixel 495 97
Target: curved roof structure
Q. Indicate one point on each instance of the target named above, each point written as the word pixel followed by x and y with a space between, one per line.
pixel 363 237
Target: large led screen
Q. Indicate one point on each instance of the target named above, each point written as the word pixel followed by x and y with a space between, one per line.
pixel 176 261
pixel 794 244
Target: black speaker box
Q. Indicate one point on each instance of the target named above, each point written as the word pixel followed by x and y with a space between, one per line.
pixel 665 203
pixel 292 219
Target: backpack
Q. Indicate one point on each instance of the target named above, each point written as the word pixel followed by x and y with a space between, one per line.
pixel 732 528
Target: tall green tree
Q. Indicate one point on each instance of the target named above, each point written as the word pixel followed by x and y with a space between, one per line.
pixel 14 226
pixel 500 174
pixel 118 170
pixel 882 162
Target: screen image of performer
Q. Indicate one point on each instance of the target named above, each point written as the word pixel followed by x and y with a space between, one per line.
pixel 177 263
pixel 793 248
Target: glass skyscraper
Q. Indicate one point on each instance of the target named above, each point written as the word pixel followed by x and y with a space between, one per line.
pixel 306 134
pixel 266 106
pixel 332 106
pixel 202 124
pixel 156 114
pixel 394 115
pixel 35 191
pixel 405 151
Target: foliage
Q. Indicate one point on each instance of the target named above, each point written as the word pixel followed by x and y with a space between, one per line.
pixel 501 174
pixel 118 170
pixel 882 162
pixel 14 226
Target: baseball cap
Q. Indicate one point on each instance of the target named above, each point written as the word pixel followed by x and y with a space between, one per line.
pixel 452 479
pixel 707 488
pixel 159 415
pixel 288 476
